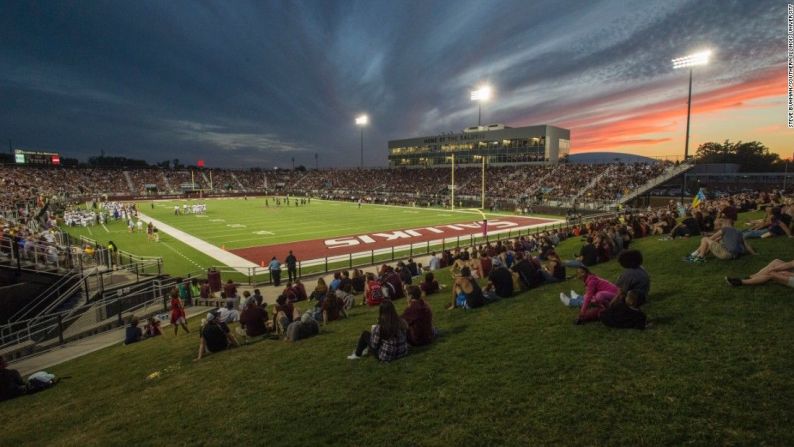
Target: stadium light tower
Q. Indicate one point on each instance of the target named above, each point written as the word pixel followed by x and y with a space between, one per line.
pixel 690 61
pixel 361 121
pixel 481 95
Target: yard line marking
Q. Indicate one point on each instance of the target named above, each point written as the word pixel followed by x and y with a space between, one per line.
pixel 89 231
pixel 180 254
pixel 106 228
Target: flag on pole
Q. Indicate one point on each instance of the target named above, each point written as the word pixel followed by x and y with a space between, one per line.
pixel 698 199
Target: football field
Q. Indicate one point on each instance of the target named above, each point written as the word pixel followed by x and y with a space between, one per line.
pixel 255 231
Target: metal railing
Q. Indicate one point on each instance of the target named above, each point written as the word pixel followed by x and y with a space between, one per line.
pixel 255 276
pixel 656 181
pixel 40 334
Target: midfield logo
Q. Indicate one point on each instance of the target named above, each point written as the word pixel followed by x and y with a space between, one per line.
pixel 444 230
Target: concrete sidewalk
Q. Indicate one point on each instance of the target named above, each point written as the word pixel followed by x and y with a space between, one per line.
pixel 84 346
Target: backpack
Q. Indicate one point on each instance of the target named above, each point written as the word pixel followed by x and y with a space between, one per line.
pixel 376 295
pixel 40 381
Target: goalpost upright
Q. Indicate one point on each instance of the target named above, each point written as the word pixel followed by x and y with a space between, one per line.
pixel 452 187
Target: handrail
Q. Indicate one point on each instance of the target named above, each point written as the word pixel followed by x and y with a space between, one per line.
pixel 665 176
pixel 42 296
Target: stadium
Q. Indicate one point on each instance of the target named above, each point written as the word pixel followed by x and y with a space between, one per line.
pixel 506 283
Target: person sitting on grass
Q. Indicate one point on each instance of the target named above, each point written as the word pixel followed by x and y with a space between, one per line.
pixel 373 291
pixel 625 314
pixel 388 340
pixel 554 271
pixel 304 328
pixel 132 333
pixel 260 300
pixel 391 280
pixel 284 314
pixel 778 271
pixel 346 297
pixel 253 319
pixel 634 277
pixel 11 383
pixel 178 316
pixel 358 281
pixel 726 243
pixel 597 296
pixel 404 273
pixel 333 307
pixel 528 270
pixel 345 282
pixel 466 292
pixel 336 282
pixel 228 314
pixel 688 227
pixel 419 318
pixel 320 290
pixel 430 285
pixel 152 328
pixel 775 223
pixel 500 281
pixel 588 255
pixel 299 290
pixel 214 337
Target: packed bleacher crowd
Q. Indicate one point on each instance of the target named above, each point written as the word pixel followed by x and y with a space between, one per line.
pixel 399 185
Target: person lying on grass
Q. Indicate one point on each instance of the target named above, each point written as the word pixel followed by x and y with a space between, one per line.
pixel 726 243
pixel 597 296
pixel 466 292
pixel 389 338
pixel 778 271
pixel 214 337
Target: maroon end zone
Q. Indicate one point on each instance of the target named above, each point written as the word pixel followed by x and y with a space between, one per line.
pixel 342 245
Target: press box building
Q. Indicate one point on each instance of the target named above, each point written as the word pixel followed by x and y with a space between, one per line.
pixel 500 144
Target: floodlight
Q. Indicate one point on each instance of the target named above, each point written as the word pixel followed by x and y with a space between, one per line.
pixel 692 60
pixel 481 94
pixel 362 120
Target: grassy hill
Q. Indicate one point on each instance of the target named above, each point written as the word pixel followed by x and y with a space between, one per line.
pixel 715 369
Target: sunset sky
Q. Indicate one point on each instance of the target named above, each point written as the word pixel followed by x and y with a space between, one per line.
pixel 256 83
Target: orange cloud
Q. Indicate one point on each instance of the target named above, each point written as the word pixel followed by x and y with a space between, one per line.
pixel 647 125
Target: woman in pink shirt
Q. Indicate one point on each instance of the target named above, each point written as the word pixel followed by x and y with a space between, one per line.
pixel 597 295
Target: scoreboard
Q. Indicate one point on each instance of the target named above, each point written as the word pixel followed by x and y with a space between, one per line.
pixel 36 157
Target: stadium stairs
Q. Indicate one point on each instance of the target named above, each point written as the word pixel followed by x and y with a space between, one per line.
pixel 670 173
pixel 237 180
pixel 129 182
pixel 87 299
pixel 593 182
pixel 207 183
pixel 168 187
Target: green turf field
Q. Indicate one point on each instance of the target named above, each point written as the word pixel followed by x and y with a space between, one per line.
pixel 237 223
pixel 715 370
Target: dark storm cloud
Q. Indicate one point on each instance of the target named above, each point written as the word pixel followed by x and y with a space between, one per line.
pixel 256 83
